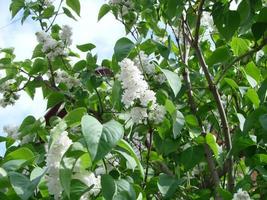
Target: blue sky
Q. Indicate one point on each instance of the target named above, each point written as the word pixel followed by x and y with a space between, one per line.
pixel 103 34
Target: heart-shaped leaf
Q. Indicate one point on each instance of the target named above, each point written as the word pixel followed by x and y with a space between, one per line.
pixel 100 139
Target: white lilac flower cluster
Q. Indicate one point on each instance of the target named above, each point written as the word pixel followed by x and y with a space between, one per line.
pixel 61 143
pixel 8 96
pixel 91 180
pixel 48 3
pixel 160 78
pixel 68 80
pixel 13 133
pixel 53 48
pixel 144 64
pixel 125 5
pixel 241 195
pixel 136 88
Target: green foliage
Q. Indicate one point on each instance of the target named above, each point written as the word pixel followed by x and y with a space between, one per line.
pixel 74 5
pixel 122 48
pixel 200 135
pixel 100 139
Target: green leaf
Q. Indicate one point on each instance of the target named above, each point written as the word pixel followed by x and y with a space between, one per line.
pixel 22 153
pixel 131 164
pixel 178 123
pixel 191 156
pixel 170 107
pixel 211 141
pixel 100 139
pixel 168 185
pixel 231 82
pixel 109 187
pixel 116 95
pixel 258 29
pixel 77 189
pixel 226 21
pixel 220 55
pixel 126 146
pixel 65 180
pixel 68 13
pixel 37 52
pixel 262 17
pixel 253 97
pixel 116 189
pixel 239 46
pixel 48 12
pixel 263 121
pixel 163 50
pixel 173 80
pixel 191 120
pixel 92 131
pixel 54 98
pixel 240 143
pixel 79 65
pixel 73 118
pixel 245 11
pixel 174 8
pixel 16 6
pixel 39 65
pixel 125 190
pixel 74 5
pixel 253 71
pixel 122 48
pixel 86 47
pixel 103 11
pixel 262 90
pixel 22 185
pixel 226 195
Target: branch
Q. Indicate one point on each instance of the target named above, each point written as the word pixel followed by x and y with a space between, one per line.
pixel 52 73
pixel 149 147
pixel 249 53
pixel 193 108
pixel 54 19
pixel 217 98
pixel 224 121
pixel 200 9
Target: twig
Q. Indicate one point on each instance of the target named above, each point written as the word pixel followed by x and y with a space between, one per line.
pixel 149 146
pixel 200 8
pixel 231 64
pixel 53 21
pixel 52 73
